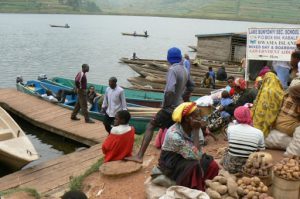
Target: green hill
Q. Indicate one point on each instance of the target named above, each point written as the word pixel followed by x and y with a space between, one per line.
pixel 284 11
pixel 49 6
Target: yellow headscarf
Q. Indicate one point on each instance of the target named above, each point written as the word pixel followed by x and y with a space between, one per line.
pixel 182 110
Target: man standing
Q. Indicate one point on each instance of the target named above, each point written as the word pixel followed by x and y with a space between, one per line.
pixel 178 80
pixel 81 84
pixel 114 101
pixel 221 74
pixel 187 63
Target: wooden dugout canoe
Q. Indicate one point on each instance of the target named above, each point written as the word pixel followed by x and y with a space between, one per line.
pixel 16 150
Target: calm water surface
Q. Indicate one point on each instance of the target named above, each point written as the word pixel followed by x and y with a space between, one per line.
pixel 48 145
pixel 29 46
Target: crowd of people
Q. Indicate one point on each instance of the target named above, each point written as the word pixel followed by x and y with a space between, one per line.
pixel 265 116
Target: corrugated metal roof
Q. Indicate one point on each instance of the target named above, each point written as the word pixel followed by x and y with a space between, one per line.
pixel 242 35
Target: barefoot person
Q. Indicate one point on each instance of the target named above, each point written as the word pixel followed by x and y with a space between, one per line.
pixel 81 86
pixel 177 82
pixel 181 158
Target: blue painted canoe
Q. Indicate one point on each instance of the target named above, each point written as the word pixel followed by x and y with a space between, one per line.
pixel 38 88
pixel 140 97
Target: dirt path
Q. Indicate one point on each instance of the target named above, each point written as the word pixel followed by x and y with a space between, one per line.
pixel 97 186
pixel 132 186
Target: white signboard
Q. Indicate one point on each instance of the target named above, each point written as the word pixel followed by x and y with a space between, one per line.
pixel 271 43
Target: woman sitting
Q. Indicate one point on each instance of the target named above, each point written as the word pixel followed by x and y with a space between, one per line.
pixel 243 139
pixel 207 82
pixel 181 158
pixel 230 85
pixel 286 134
pixel 119 142
pixel 241 96
pixel 268 102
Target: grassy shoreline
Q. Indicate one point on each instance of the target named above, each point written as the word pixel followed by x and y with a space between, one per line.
pixel 244 19
pixel 275 11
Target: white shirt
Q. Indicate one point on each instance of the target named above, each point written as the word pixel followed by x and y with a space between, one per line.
pixel 244 139
pixel 114 101
pixel 121 129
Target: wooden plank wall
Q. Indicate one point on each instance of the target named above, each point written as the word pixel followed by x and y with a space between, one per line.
pixel 214 48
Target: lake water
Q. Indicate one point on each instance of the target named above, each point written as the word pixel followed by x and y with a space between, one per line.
pixel 48 145
pixel 29 46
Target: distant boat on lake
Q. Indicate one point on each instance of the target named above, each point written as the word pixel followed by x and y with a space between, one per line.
pixel 135 34
pixel 57 26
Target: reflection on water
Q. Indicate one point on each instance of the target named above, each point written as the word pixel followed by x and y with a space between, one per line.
pixel 29 46
pixel 48 145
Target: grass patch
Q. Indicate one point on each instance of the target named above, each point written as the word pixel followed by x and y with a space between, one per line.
pixel 138 141
pixel 30 191
pixel 76 182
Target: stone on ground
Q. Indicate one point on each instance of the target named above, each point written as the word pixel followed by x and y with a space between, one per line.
pixel 119 168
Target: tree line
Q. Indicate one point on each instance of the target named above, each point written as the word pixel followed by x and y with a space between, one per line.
pixel 78 5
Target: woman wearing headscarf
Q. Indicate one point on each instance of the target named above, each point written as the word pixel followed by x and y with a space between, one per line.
pixel 241 96
pixel 243 140
pixel 181 158
pixel 268 102
pixel 263 71
pixel 286 134
pixel 289 118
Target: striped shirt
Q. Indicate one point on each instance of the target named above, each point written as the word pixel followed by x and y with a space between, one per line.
pixel 244 139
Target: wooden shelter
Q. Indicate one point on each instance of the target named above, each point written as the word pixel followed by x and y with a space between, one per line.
pixel 225 47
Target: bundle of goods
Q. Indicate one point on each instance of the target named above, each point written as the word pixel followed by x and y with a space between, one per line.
pixel 288 168
pixel 259 164
pixel 252 188
pixel 222 186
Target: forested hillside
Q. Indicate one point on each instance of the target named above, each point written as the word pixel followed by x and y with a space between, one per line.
pixel 49 6
pixel 284 11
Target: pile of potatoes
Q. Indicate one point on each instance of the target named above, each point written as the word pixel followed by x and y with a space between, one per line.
pixel 258 166
pixel 288 168
pixel 252 188
pixel 222 186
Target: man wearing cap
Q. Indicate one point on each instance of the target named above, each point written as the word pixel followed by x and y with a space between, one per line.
pixel 81 84
pixel 178 82
pixel 114 101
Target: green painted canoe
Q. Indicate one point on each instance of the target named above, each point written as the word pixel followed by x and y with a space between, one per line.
pixel 139 97
pixel 139 123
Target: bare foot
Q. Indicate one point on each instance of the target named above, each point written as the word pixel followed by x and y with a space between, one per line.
pixel 134 159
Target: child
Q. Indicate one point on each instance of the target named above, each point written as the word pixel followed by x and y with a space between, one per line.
pixel 225 101
pixel 207 81
pixel 119 142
